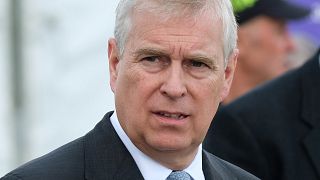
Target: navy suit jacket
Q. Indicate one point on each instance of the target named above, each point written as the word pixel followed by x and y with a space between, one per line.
pixel 274 131
pixel 101 155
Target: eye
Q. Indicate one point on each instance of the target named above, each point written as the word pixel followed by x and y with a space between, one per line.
pixel 198 68
pixel 151 59
pixel 154 63
pixel 197 64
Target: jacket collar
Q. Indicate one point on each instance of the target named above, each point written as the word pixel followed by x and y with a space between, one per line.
pixel 209 171
pixel 311 91
pixel 105 152
pixel 310 84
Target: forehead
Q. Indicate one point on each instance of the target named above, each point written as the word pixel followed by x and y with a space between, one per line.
pixel 197 32
pixel 267 22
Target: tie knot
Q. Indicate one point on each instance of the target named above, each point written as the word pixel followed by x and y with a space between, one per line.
pixel 179 175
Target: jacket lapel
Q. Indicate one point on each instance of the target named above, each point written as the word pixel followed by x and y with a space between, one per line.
pixel 310 84
pixel 210 168
pixel 106 157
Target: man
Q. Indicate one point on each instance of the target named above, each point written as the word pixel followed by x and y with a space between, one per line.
pixel 264 42
pixel 171 64
pixel 274 131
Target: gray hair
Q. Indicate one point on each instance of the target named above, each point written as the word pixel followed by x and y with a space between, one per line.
pixel 221 9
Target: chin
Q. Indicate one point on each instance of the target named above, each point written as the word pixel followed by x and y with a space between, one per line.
pixel 170 144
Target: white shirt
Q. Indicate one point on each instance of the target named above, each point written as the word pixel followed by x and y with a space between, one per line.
pixel 149 168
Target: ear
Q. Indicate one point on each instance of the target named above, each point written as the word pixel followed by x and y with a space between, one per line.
pixel 228 74
pixel 113 56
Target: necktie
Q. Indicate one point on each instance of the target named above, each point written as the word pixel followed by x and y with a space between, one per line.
pixel 179 175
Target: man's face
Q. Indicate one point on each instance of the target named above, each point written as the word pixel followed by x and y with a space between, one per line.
pixel 169 82
pixel 264 45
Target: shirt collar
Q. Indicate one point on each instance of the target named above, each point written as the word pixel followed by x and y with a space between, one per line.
pixel 149 168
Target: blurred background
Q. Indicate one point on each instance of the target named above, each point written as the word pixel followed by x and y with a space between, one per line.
pixel 305 33
pixel 54 79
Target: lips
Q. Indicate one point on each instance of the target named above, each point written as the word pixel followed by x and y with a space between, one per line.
pixel 177 116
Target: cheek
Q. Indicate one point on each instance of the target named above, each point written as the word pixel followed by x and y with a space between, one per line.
pixel 271 43
pixel 128 97
pixel 126 86
pixel 206 111
pixel 212 99
pixel 209 95
pixel 135 87
pixel 128 77
pixel 216 87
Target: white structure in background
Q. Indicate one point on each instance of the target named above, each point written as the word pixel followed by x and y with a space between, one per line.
pixel 6 141
pixel 65 70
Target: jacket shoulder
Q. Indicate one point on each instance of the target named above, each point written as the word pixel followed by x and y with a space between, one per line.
pixel 66 162
pixel 225 169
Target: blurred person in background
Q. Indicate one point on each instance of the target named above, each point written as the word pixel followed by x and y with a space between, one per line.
pixel 163 51
pixel 274 130
pixel 305 33
pixel 305 49
pixel 264 42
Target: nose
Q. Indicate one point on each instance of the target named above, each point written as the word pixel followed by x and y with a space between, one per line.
pixel 289 42
pixel 174 85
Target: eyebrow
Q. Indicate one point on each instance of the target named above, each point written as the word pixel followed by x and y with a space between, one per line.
pixel 150 51
pixel 211 61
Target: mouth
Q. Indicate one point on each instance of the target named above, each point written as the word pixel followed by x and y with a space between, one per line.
pixel 175 116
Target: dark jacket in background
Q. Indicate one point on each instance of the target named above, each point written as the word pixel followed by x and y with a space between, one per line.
pixel 274 131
